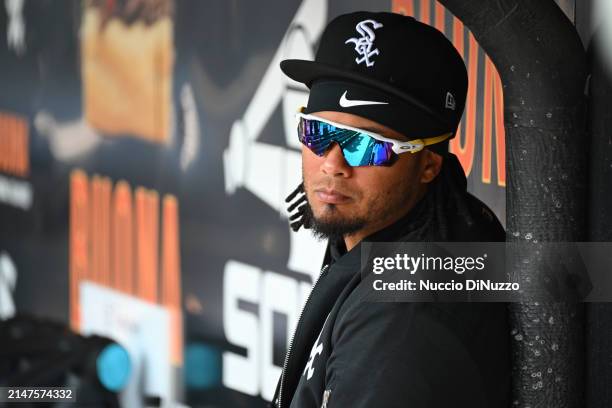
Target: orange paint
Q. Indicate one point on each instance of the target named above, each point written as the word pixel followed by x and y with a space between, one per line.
pixel 78 257
pixel 440 19
pixel 405 7
pixel 100 209
pixel 115 241
pixel 458 32
pixel 147 227
pixel 100 234
pixel 493 110
pixel 425 11
pixel 500 133
pixel 123 239
pixel 14 145
pixel 171 286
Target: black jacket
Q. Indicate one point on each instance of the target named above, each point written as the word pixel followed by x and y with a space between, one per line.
pixel 347 353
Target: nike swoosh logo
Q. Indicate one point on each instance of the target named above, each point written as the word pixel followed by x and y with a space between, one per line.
pixel 347 103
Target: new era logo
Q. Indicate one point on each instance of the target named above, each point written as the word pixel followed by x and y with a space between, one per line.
pixel 450 101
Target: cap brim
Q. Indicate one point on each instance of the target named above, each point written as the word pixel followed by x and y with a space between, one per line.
pixel 307 72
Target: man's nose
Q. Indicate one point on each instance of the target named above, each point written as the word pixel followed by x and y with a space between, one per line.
pixel 334 163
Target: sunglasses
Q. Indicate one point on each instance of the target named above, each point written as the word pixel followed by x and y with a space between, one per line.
pixel 359 147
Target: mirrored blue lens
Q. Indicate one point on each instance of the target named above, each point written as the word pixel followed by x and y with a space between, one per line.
pixel 359 149
pixel 383 154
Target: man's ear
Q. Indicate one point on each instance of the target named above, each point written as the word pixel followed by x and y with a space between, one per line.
pixel 430 165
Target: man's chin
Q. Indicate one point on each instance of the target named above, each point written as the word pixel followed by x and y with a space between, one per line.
pixel 331 221
pixel 328 211
pixel 330 214
pixel 335 226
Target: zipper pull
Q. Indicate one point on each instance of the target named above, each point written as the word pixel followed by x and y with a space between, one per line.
pixel 326 395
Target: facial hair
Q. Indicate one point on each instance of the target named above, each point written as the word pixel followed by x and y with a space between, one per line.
pixel 330 229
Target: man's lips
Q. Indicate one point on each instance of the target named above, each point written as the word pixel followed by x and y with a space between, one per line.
pixel 331 196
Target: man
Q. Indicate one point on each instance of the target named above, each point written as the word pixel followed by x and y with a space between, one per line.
pixel 386 95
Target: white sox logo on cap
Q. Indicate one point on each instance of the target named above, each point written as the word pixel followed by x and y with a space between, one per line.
pixel 364 44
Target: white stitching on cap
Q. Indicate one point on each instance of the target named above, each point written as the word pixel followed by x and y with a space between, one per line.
pixel 364 44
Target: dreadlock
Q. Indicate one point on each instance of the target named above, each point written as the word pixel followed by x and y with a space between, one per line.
pixel 299 218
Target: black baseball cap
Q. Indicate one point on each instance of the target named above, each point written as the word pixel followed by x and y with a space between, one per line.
pixel 389 68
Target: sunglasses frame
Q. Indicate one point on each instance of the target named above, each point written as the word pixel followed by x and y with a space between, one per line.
pixel 398 147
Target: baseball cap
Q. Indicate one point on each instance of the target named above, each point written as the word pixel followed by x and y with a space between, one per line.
pixel 389 68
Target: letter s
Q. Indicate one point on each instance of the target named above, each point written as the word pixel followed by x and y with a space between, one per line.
pixel 480 262
pixel 241 282
pixel 8 280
